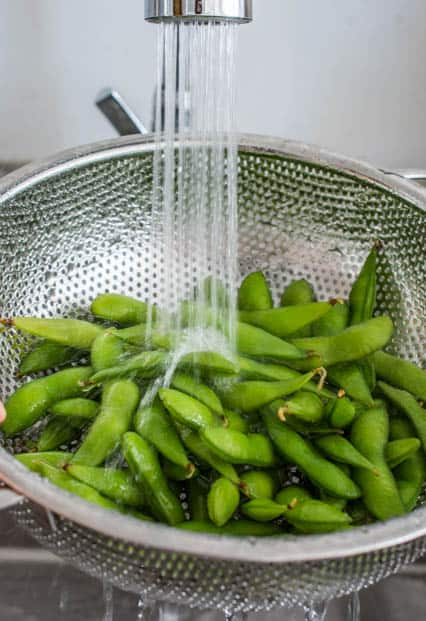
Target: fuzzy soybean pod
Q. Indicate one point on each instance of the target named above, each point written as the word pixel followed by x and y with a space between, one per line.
pixel 177 473
pixel 120 308
pixel 46 356
pixel 297 450
pixel 119 401
pixel 75 408
pixel 292 494
pixel 208 362
pixel 341 450
pixel 362 297
pixel 285 320
pixel 107 351
pixel 351 378
pixel 222 501
pixel 197 499
pixel 187 410
pixel 118 485
pixel 252 395
pixel 234 420
pixel 410 474
pixel 254 370
pixel 369 435
pixel 235 447
pixel 254 293
pixel 352 344
pixel 401 373
pixel 397 451
pixel 260 483
pixel 189 385
pixel 31 401
pixel 340 412
pixel 69 332
pixel 305 406
pixel 406 403
pixel 253 341
pixel 154 425
pixel 145 467
pixel 147 364
pixel 297 292
pixel 60 431
pixel 234 528
pixel 333 322
pixel 58 459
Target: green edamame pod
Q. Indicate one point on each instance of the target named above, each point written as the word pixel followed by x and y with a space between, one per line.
pixel 138 335
pixel 252 395
pixel 154 425
pixel 69 332
pixel 369 371
pixel 398 451
pixel 340 412
pixel 238 448
pixel 337 503
pixel 296 449
pixel 222 501
pixel 77 407
pixel 304 406
pixel 333 322
pixel 60 431
pixel 107 351
pixel 401 373
pixel 353 380
pixel 297 292
pixel 201 392
pixel 407 404
pixel 178 473
pixel 234 420
pixel 119 401
pixel 208 362
pixel 235 528
pixel 47 356
pixel 369 435
pixel 362 298
pixel 118 485
pixel 212 290
pixel 187 410
pixel 254 293
pixel 285 320
pixel 262 509
pixel 352 344
pixel 197 499
pixel 252 341
pixel 255 370
pixel 120 308
pixel 58 459
pixel 341 450
pixel 31 401
pixel 260 483
pixel 144 365
pixel 292 494
pixel 410 475
pixel 145 467
pixel 201 452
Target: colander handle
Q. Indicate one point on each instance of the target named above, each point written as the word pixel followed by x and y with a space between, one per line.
pixel 119 113
pixel 412 174
pixel 8 498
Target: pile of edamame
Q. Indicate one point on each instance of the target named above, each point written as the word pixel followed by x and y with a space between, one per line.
pixel 313 428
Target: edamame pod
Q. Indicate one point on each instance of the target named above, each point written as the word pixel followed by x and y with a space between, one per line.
pixel 189 385
pixel 119 401
pixel 304 406
pixel 222 501
pixel 398 451
pixel 178 473
pixel 410 475
pixel 235 528
pixel 69 332
pixel 60 431
pixel 401 373
pixel 120 308
pixel 77 407
pixel 144 365
pixel 58 459
pixel 235 447
pixel 286 320
pixel 369 435
pixel 407 404
pixel 197 499
pixel 341 450
pixel 145 467
pixel 296 449
pixel 333 322
pixel 340 412
pixel 362 298
pixel 292 494
pixel 351 378
pixel 154 425
pixel 234 420
pixel 252 395
pixel 260 483
pixel 47 356
pixel 254 293
pixel 297 292
pixel 118 485
pixel 187 410
pixel 209 362
pixel 31 401
pixel 139 334
pixel 352 344
pixel 252 341
pixel 107 351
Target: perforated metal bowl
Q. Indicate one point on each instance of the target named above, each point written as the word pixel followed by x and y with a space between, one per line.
pixel 79 224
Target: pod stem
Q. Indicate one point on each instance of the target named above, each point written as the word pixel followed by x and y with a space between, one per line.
pixel 322 372
pixel 7 322
pixel 282 413
pixel 341 393
pixel 190 468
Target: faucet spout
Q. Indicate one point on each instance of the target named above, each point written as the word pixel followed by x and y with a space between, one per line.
pixel 238 11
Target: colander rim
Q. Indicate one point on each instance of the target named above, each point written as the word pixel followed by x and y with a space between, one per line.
pixel 358 541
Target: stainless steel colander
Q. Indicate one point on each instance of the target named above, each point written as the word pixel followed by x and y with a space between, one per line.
pixel 79 224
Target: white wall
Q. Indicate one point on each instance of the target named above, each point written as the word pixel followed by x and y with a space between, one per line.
pixel 349 75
